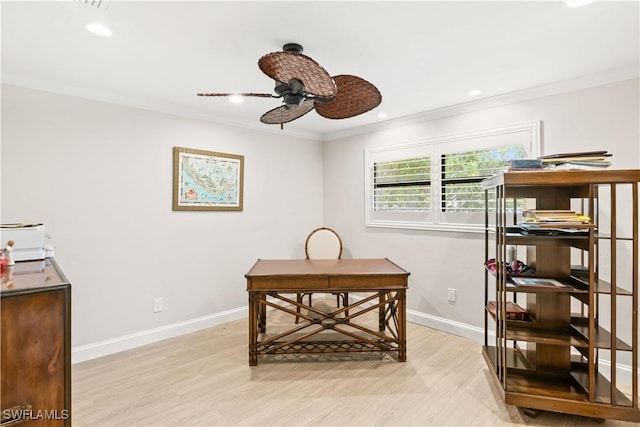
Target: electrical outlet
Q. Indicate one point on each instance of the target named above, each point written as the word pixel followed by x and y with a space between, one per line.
pixel 451 294
pixel 157 305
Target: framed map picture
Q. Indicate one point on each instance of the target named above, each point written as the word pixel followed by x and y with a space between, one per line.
pixel 207 181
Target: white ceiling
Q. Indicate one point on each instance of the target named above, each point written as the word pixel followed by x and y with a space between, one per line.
pixel 422 55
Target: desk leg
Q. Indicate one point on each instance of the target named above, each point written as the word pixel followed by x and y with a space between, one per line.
pixel 381 312
pixel 253 328
pixel 262 310
pixel 402 325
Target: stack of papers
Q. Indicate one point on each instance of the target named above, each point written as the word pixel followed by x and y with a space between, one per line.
pixel 554 218
pixel 577 160
pixel 555 222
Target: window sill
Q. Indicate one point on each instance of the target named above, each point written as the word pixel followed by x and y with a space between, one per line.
pixel 403 225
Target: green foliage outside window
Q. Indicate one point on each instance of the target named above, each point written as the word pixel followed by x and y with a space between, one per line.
pixel 462 173
pixel 403 185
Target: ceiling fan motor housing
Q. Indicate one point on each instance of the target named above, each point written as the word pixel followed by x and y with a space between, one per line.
pixel 293 99
pixel 293 93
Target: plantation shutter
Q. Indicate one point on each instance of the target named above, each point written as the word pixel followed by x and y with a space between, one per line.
pixel 403 185
pixel 463 171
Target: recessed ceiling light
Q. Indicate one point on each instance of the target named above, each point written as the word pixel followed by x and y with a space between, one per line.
pixel 236 99
pixel 382 115
pixel 98 29
pixel 474 92
pixel 577 3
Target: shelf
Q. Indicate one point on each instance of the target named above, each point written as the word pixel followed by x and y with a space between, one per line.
pixel 568 180
pixel 512 323
pixel 603 337
pixel 523 379
pixel 570 288
pixel 559 387
pixel 515 359
pixel 580 373
pixel 602 286
pixel 540 336
pixel 529 321
pixel 608 237
pixel 534 240
pixel 513 311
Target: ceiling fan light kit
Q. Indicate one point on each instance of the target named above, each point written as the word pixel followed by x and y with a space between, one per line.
pixel 303 85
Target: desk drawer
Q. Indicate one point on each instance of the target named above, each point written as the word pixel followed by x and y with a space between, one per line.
pixel 279 284
pixel 374 282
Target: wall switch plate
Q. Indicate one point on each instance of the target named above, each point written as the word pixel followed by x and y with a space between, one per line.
pixel 451 294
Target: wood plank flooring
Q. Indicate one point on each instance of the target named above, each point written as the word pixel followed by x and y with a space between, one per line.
pixel 204 379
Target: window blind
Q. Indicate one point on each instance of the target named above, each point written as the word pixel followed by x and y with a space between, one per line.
pixel 403 185
pixel 462 172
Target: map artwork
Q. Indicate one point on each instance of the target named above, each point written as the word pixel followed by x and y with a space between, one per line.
pixel 208 181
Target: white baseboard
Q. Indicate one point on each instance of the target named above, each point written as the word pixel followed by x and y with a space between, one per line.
pixel 127 342
pixel 446 325
pixel 477 334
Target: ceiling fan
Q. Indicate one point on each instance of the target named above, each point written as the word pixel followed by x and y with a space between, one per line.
pixel 304 85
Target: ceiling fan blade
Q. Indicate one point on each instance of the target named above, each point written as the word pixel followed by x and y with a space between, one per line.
pixel 285 114
pixel 284 66
pixel 355 96
pixel 261 95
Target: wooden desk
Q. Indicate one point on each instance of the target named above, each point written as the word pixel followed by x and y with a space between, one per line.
pixel 383 283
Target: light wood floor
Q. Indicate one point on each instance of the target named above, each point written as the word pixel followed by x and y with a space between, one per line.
pixel 204 379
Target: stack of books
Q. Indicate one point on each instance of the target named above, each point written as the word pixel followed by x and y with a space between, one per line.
pixel 512 311
pixel 577 160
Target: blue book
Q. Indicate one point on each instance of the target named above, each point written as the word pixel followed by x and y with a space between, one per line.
pixel 525 164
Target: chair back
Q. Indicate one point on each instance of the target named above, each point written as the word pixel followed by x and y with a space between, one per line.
pixel 323 243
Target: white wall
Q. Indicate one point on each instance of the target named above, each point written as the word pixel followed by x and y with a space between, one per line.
pixel 604 117
pixel 99 176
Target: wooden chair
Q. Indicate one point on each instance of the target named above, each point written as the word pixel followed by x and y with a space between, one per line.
pixel 323 243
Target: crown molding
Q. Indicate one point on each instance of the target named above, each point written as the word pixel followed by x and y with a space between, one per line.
pixel 556 88
pixel 99 97
pixel 584 82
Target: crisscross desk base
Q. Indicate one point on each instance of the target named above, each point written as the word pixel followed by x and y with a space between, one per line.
pixel 379 284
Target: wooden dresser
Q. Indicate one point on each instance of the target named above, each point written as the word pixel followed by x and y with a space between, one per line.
pixel 35 345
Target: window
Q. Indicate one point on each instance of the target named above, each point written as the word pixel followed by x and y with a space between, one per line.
pixel 435 183
pixel 462 173
pixel 403 185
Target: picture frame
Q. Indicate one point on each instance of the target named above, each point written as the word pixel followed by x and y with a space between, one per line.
pixel 207 180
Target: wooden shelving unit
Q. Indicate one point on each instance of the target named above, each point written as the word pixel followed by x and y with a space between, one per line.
pixel 576 352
